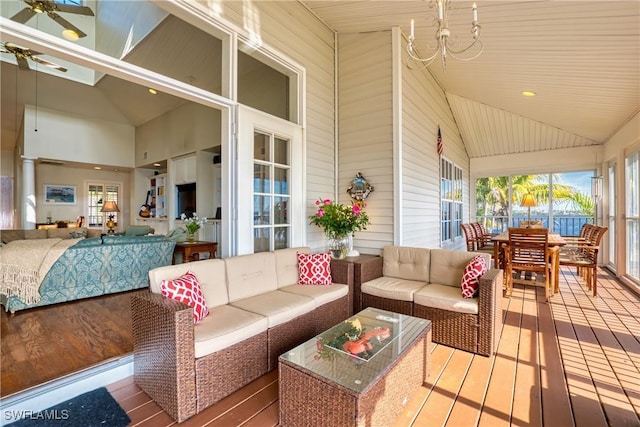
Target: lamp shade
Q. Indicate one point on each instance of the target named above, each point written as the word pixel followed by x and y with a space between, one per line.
pixel 110 206
pixel 528 201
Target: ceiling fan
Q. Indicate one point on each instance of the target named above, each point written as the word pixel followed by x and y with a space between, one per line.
pixel 24 53
pixel 51 7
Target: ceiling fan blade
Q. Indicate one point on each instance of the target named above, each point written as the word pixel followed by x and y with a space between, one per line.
pixel 80 10
pixel 49 64
pixel 23 16
pixel 23 64
pixel 66 24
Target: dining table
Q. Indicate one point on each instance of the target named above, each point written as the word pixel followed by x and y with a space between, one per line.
pixel 555 239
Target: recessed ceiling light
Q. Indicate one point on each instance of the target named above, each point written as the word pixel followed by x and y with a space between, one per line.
pixel 97 167
pixel 157 165
pixel 528 93
pixel 152 91
pixel 70 35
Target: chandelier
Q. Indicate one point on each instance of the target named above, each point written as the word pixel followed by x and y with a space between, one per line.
pixel 446 44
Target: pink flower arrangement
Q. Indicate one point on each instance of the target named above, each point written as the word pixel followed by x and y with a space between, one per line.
pixel 338 220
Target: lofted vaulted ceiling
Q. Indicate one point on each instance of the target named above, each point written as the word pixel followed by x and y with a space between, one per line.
pixel 582 58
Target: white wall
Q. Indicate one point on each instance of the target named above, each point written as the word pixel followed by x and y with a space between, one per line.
pixel 365 111
pixel 54 135
pixel 183 130
pixel 424 108
pixel 537 162
pixel 63 175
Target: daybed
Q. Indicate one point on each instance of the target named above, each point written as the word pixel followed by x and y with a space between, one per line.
pixel 257 311
pixel 427 283
pixel 84 268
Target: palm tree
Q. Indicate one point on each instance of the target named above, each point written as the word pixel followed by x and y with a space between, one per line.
pixel 492 195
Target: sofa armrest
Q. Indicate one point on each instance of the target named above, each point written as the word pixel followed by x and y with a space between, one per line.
pixel 163 348
pixel 364 269
pixel 490 311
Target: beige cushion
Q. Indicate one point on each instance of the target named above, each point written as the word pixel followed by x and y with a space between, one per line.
pixel 225 326
pixel 278 306
pixel 446 298
pixel 38 234
pixel 287 265
pixel 211 274
pixel 405 262
pixel 447 266
pixel 321 294
pixel 392 288
pixel 249 275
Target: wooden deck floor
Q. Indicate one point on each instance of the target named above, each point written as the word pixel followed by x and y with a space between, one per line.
pixel 572 362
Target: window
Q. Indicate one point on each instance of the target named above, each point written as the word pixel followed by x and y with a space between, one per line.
pixel 271 194
pixel 69 2
pixel 451 201
pixel 97 194
pixel 633 214
pixel 564 201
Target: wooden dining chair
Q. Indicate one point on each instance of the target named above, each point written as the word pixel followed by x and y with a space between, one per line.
pixel 470 236
pixel 529 257
pixel 583 255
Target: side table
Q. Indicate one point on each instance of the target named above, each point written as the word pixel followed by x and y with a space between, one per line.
pixel 361 266
pixel 191 250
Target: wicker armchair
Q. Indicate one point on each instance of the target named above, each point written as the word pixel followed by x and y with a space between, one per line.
pixel 474 332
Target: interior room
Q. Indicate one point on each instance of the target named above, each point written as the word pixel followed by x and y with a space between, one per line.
pixel 253 117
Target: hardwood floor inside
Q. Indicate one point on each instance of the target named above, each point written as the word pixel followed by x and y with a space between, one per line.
pixel 572 362
pixel 46 343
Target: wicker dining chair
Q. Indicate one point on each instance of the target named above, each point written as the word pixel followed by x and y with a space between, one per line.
pixel 528 253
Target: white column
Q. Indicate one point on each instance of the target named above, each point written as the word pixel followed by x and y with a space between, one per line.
pixel 28 194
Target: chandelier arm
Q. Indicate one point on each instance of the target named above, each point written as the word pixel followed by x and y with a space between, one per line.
pixel 453 53
pixel 413 55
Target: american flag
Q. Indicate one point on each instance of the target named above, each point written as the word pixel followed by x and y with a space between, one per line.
pixel 440 148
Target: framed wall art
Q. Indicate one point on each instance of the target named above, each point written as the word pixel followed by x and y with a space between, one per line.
pixel 60 194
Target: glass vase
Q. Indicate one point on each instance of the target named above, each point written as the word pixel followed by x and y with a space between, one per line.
pixel 338 246
pixel 191 237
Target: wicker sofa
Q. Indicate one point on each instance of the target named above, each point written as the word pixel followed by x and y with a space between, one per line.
pixel 426 283
pixel 257 311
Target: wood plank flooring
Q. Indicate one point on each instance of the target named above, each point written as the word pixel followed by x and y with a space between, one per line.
pixel 49 342
pixel 572 362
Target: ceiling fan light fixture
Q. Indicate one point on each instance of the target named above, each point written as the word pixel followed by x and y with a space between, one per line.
pixel 528 93
pixel 70 35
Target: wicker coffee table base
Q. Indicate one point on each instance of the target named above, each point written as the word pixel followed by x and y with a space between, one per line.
pixel 310 400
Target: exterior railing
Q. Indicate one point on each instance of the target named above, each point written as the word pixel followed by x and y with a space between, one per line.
pixel 563 225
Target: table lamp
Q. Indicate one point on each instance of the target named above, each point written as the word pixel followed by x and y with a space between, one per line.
pixel 110 207
pixel 527 201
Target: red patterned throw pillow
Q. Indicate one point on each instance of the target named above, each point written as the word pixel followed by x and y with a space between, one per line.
pixel 186 289
pixel 471 276
pixel 314 269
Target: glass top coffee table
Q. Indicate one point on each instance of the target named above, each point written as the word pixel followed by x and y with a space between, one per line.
pixel 360 372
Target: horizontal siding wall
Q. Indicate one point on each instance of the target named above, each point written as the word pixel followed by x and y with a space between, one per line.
pixel 365 101
pixel 289 28
pixel 424 107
